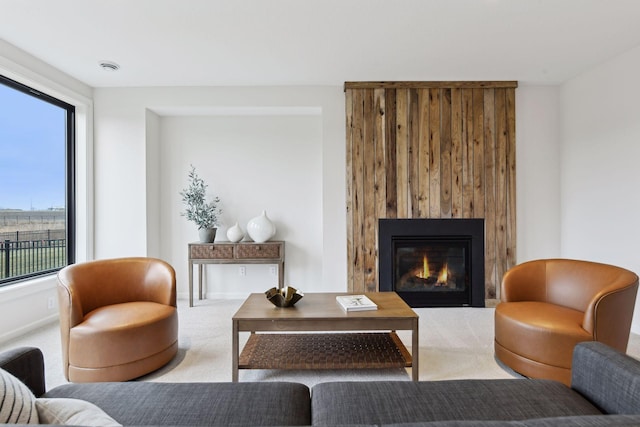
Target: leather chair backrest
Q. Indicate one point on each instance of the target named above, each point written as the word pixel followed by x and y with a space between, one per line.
pixel 566 282
pixel 574 284
pixel 99 283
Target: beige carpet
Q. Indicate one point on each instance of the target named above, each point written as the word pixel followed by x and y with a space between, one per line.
pixel 455 343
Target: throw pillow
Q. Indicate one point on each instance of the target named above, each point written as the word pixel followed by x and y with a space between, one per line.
pixel 72 411
pixel 17 402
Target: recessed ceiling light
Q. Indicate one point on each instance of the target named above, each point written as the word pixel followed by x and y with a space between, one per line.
pixel 109 66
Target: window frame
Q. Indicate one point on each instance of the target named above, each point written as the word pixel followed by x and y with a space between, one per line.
pixel 70 175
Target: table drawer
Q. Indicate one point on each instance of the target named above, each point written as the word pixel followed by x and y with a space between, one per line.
pixel 258 251
pixel 212 252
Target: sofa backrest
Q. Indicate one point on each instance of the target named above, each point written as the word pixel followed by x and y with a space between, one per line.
pixel 26 364
pixel 608 378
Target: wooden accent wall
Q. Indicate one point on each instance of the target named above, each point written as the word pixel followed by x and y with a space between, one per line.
pixel 430 150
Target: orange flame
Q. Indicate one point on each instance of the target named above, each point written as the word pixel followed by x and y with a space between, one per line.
pixel 424 273
pixel 443 276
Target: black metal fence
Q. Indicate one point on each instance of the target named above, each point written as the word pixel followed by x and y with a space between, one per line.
pixel 18 236
pixel 23 258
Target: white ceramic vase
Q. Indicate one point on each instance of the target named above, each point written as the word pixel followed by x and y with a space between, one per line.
pixel 235 233
pixel 261 228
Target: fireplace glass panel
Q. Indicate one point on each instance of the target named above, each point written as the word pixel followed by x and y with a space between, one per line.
pixel 432 265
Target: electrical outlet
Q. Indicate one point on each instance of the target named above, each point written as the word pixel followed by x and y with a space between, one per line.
pixel 50 303
pixel 273 270
pixel 242 271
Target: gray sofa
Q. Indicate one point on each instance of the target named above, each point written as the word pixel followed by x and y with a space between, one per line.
pixel 605 391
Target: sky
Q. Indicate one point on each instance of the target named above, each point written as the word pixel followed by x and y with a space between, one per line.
pixel 32 152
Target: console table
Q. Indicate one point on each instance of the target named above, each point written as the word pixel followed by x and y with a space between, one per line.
pixel 271 252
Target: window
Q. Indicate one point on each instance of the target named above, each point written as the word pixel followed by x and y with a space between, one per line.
pixel 37 146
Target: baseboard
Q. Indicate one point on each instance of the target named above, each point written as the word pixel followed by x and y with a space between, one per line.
pixel 53 318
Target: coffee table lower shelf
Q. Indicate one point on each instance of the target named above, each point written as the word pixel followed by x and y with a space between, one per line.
pixel 324 351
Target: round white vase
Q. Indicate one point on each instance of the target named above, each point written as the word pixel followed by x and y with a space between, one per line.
pixel 261 228
pixel 235 233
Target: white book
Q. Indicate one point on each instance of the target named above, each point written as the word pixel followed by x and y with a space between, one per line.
pixel 355 303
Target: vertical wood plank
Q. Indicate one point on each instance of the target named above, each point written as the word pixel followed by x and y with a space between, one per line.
pixel 390 153
pixel 434 153
pixel 501 182
pixel 402 151
pixel 380 186
pixel 467 153
pixel 413 156
pixel 369 180
pixel 478 153
pixel 445 153
pixel 349 182
pixel 492 282
pixel 511 177
pixel 423 153
pixel 456 153
pixel 358 193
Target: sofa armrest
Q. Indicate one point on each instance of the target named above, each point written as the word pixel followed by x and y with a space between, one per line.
pixel 607 378
pixel 26 364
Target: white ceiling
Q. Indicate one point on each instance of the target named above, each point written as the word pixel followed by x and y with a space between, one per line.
pixel 320 42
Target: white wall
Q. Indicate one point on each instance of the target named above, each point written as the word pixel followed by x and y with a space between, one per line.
pixel 600 173
pixel 253 163
pixel 278 149
pixel 537 172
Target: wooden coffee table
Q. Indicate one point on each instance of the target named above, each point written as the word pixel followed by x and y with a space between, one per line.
pixel 335 339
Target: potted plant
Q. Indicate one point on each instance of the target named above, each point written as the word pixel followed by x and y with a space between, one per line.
pixel 204 215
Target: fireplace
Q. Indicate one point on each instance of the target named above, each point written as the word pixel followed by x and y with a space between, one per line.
pixel 433 262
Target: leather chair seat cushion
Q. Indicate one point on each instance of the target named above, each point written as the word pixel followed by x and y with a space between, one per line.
pixel 121 333
pixel 539 331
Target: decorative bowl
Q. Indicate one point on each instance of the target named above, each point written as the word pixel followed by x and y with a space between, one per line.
pixel 285 297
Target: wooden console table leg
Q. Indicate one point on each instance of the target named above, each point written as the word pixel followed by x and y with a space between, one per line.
pixel 200 267
pixel 190 284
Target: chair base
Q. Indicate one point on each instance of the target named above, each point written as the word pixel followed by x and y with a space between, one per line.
pixel 531 368
pixel 124 372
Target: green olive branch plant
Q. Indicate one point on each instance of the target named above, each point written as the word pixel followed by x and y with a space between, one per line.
pixel 204 214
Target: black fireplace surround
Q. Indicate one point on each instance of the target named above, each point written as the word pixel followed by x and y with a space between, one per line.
pixel 433 262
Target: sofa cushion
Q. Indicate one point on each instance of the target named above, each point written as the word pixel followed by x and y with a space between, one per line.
pixel 578 421
pixel 539 331
pixel 72 412
pixel 386 402
pixel 105 336
pixel 213 404
pixel 17 402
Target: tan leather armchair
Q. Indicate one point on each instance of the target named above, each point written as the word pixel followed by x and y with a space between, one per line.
pixel 118 318
pixel 550 305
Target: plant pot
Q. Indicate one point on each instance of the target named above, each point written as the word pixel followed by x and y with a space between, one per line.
pixel 207 235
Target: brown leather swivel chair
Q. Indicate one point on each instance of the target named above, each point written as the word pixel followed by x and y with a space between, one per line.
pixel 550 305
pixel 118 318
